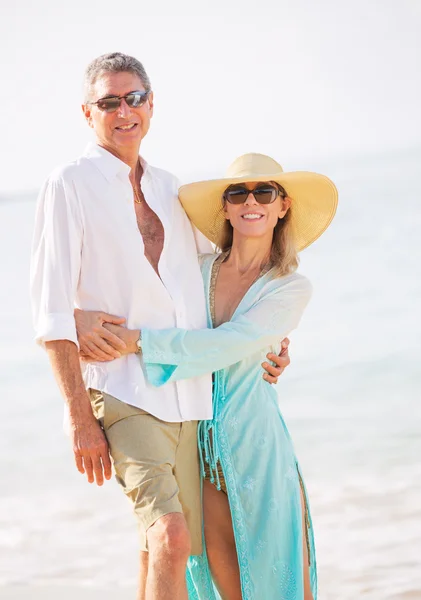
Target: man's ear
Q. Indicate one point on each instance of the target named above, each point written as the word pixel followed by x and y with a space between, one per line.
pixel 151 104
pixel 86 109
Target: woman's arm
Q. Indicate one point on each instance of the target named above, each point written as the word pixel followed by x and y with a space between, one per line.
pixel 173 354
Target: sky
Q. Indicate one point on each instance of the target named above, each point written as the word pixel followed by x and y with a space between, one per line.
pixel 303 81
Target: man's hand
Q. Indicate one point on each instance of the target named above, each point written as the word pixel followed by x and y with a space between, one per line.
pixel 281 362
pixel 90 448
pixel 95 341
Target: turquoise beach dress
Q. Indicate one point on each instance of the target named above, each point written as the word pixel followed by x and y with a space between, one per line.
pixel 247 435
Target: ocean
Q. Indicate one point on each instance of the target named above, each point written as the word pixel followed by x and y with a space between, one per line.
pixel 351 398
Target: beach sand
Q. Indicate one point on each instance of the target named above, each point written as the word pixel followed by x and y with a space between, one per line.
pixel 350 399
pixel 60 592
pixel 64 592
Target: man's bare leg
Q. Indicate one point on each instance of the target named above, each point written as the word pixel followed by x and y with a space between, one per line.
pixel 143 575
pixel 169 548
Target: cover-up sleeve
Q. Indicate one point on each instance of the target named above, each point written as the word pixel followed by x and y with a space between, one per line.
pixel 173 354
pixel 55 262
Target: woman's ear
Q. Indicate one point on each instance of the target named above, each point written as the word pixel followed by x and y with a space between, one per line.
pixel 225 211
pixel 285 204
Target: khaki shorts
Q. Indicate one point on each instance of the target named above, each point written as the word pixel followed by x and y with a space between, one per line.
pixel 156 463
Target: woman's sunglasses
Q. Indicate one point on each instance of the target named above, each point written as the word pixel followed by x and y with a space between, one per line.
pixel 264 193
pixel 112 103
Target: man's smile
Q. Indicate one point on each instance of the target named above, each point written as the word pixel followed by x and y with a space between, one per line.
pixel 127 127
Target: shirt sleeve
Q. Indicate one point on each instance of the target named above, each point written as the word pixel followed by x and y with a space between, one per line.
pixel 55 262
pixel 173 354
pixel 203 245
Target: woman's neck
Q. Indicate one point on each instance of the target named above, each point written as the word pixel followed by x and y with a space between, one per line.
pixel 250 254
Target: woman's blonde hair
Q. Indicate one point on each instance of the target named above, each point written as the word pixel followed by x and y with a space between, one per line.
pixel 283 256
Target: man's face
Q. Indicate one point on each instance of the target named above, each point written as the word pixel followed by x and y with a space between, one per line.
pixel 123 130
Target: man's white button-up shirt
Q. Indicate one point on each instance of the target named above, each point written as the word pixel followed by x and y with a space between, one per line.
pixel 88 253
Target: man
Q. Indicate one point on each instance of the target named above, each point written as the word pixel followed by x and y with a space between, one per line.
pixel 88 253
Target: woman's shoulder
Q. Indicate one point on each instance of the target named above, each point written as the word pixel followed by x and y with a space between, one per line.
pixel 292 283
pixel 206 260
pixel 299 280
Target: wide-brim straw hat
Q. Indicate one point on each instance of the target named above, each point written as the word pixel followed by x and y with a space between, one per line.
pixel 314 198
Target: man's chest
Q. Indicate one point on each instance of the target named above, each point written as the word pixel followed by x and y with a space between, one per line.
pixel 110 213
pixel 118 230
pixel 152 231
pixel 121 241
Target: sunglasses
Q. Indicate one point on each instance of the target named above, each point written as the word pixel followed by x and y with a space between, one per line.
pixel 112 103
pixel 264 193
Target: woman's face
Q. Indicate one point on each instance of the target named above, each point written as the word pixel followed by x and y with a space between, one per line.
pixel 252 219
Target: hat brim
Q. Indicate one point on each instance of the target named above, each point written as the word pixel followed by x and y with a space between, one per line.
pixel 314 202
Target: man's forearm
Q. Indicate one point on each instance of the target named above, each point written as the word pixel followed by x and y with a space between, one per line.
pixel 64 359
pixel 90 447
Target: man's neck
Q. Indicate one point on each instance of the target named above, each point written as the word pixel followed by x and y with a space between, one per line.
pixel 130 156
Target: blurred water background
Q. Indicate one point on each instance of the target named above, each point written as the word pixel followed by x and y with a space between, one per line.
pixel 351 398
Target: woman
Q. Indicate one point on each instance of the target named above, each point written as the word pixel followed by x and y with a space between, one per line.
pixel 257 528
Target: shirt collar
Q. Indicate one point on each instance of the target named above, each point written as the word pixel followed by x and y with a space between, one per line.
pixel 109 165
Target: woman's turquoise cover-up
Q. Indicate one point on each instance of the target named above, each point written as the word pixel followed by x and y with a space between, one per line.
pixel 249 437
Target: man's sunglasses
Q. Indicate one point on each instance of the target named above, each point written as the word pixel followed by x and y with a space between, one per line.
pixel 264 193
pixel 112 103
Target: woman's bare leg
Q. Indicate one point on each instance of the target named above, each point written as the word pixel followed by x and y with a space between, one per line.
pixel 308 595
pixel 220 542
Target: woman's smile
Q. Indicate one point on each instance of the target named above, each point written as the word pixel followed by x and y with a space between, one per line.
pixel 252 216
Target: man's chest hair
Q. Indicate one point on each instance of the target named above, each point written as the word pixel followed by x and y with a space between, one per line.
pixel 149 225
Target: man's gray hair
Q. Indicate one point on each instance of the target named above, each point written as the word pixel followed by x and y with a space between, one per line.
pixel 113 62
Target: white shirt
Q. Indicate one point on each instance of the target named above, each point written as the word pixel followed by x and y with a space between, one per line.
pixel 88 253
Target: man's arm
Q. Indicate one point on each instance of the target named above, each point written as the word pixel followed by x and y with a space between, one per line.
pixel 90 446
pixel 55 272
pixel 203 245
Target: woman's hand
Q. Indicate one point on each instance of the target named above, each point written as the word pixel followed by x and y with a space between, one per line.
pixel 282 361
pixel 128 336
pixel 95 341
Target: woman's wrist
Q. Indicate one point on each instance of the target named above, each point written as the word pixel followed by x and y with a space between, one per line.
pixel 132 346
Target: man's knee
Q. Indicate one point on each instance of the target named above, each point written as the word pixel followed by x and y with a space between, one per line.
pixel 170 535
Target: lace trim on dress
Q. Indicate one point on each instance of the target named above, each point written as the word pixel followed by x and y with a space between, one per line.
pixel 214 450
pixel 214 276
pixel 208 440
pixel 307 523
